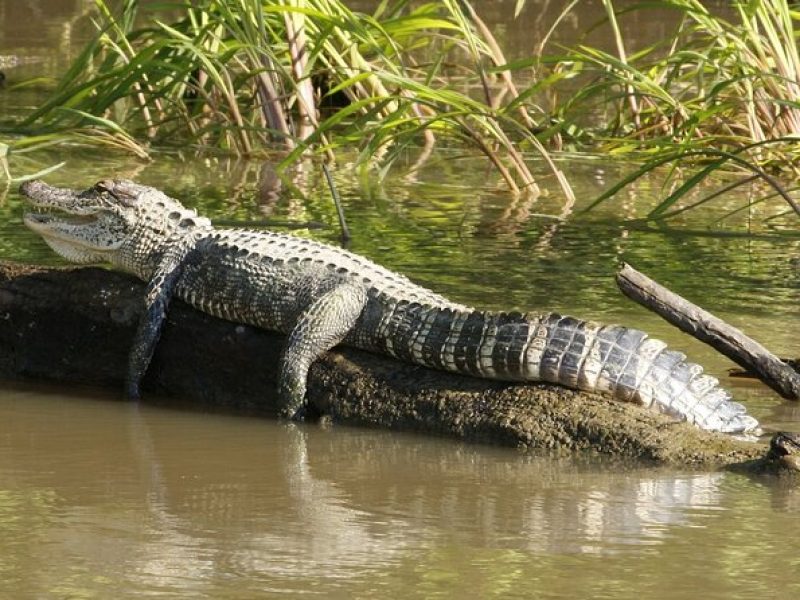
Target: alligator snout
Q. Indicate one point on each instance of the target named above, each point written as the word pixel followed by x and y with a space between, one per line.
pixel 40 193
pixel 32 188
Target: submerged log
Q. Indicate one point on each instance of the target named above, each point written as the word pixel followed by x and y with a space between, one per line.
pixel 76 325
pixel 712 330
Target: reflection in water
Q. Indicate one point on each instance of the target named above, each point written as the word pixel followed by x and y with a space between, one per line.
pixel 269 188
pixel 326 535
pixel 639 511
pixel 158 500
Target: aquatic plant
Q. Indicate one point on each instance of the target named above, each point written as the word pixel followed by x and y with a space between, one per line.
pixel 252 77
pixel 715 83
pixel 249 76
pixel 16 152
pixel 720 90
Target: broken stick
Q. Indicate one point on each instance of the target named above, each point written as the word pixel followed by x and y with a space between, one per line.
pixel 712 330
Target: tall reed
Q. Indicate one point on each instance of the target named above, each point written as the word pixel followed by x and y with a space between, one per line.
pixel 253 76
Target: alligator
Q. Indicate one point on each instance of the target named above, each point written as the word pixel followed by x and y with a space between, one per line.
pixel 320 296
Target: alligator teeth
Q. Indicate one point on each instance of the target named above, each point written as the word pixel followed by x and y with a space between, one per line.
pixel 55 215
pixel 44 211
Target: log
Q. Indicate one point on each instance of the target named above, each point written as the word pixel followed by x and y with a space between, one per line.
pixel 712 330
pixel 75 326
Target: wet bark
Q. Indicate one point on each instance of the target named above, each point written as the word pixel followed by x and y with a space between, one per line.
pixel 76 326
pixel 712 330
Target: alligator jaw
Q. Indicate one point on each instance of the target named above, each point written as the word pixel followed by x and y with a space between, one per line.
pixel 52 206
pixel 61 226
pixel 71 223
pixel 37 219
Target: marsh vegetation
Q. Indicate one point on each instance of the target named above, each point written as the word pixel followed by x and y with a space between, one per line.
pixel 287 78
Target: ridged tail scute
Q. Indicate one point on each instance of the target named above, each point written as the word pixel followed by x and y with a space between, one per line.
pixel 618 361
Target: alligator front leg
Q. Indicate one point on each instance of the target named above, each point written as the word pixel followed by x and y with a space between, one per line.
pixel 322 325
pixel 157 298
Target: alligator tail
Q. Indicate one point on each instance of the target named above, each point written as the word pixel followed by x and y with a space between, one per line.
pixel 621 362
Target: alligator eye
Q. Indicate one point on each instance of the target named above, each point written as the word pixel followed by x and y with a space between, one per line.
pixel 108 186
pixel 104 185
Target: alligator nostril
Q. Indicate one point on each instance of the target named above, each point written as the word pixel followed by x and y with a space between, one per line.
pixel 29 187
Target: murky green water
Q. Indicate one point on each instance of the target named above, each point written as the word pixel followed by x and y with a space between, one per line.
pixel 102 499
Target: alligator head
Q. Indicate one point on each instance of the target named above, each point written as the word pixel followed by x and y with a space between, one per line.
pixel 114 221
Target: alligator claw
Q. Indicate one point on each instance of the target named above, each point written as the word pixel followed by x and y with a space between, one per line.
pixel 297 415
pixel 132 391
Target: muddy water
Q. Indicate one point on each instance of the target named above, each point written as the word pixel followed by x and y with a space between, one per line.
pixel 100 499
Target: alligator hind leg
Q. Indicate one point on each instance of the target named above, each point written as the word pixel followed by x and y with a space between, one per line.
pixel 322 325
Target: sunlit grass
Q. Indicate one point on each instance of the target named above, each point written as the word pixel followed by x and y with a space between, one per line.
pixel 16 164
pixel 714 84
pixel 252 77
pixel 287 78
